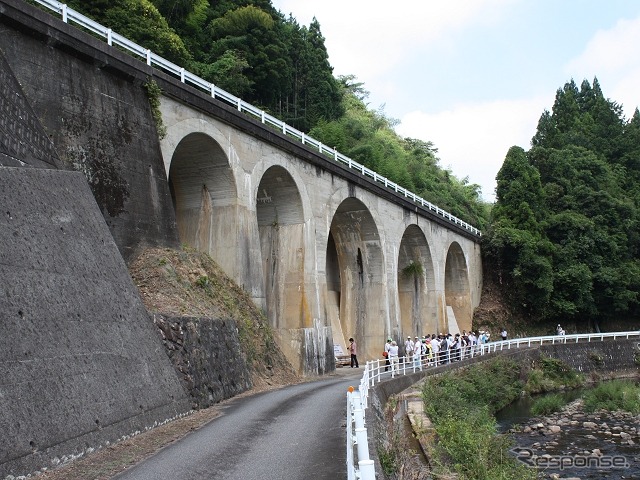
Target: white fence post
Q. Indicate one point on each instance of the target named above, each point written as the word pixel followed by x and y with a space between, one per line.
pixel 358 436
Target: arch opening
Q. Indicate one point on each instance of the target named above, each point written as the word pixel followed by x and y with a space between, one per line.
pixel 457 291
pixel 203 191
pixel 281 229
pixel 355 279
pixel 416 285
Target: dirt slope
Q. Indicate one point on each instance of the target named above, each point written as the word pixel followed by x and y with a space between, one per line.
pixel 190 283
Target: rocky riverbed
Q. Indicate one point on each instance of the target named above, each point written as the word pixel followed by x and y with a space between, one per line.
pixel 573 444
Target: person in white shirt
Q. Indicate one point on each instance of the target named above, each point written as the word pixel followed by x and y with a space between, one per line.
pixel 435 348
pixel 417 353
pixel 473 343
pixel 408 348
pixel 393 357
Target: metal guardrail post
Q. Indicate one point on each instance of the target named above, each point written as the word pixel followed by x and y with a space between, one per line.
pixel 351 469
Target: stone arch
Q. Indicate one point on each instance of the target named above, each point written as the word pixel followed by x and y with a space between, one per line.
pixel 416 285
pixel 280 217
pixel 457 291
pixel 204 195
pixel 355 279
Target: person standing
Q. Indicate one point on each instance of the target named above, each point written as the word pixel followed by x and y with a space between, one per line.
pixel 408 348
pixel 503 334
pixel 393 357
pixel 387 346
pixel 354 352
pixel 435 348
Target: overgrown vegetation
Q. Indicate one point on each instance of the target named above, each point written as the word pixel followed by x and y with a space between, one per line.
pixel 614 395
pixel 153 93
pixel 461 405
pixel 413 270
pixel 549 374
pixel 548 404
pixel 189 283
pixel 566 222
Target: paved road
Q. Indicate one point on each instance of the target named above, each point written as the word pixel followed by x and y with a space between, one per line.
pixel 294 433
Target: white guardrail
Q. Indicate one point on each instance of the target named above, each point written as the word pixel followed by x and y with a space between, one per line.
pixel 69 15
pixel 377 370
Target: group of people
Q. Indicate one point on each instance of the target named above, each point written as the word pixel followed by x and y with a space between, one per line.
pixel 433 350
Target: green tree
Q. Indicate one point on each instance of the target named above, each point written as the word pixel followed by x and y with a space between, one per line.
pixel 254 35
pixel 139 21
pixel 570 204
pixel 515 238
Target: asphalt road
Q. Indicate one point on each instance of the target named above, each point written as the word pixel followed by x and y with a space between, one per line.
pixel 294 433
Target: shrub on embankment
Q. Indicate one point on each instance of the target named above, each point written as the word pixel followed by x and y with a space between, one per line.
pixel 214 334
pixel 614 395
pixel 461 405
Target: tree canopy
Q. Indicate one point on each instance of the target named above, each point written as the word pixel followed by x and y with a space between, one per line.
pixel 564 229
pixel 251 50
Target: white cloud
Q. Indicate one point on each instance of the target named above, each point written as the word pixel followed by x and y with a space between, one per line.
pixel 473 139
pixel 383 44
pixel 369 37
pixel 613 56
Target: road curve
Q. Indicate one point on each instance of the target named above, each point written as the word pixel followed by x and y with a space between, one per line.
pixel 294 433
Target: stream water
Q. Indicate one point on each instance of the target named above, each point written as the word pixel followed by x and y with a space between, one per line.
pixel 585 446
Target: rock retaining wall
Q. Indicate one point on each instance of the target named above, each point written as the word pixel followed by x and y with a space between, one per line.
pixel 207 354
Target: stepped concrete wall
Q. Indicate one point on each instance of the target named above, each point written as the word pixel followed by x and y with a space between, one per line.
pixel 95 112
pixel 81 363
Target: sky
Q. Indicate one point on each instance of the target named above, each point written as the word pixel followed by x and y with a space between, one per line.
pixel 474 76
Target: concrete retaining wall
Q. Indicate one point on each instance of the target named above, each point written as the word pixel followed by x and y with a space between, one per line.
pixel 96 113
pixel 81 362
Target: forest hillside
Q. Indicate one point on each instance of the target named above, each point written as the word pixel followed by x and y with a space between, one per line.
pixel 563 240
pixel 560 244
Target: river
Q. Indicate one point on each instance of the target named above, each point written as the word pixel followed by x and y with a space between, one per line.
pixel 574 444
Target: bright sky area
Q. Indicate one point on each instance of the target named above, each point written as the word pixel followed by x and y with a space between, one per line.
pixel 474 76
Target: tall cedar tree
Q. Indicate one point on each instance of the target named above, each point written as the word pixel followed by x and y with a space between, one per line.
pixel 568 242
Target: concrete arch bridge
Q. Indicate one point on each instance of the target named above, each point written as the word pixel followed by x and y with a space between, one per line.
pixel 327 251
pixel 326 258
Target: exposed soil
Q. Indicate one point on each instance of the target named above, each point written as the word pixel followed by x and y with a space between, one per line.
pixel 493 313
pixel 190 283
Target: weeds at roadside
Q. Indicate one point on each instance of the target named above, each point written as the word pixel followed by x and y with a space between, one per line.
pixel 461 405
